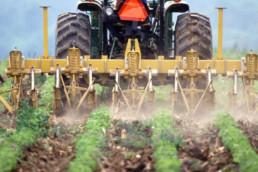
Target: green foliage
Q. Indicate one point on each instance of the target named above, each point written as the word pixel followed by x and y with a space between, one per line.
pixel 101 91
pixel 138 134
pixel 91 141
pixel 29 117
pixel 4 134
pixel 46 92
pixel 37 119
pixel 11 149
pixel 234 53
pixel 30 123
pixel 40 80
pixel 239 145
pixel 57 130
pixel 166 140
pixel 7 85
pixel 2 67
pixel 161 92
pixel 130 155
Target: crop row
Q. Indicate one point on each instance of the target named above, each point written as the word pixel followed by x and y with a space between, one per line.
pixel 30 123
pixel 239 145
pixel 166 141
pixel 91 141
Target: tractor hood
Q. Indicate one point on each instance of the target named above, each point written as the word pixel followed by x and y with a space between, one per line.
pixel 133 10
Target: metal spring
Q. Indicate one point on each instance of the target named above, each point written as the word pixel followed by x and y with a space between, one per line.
pixel 192 60
pixel 73 59
pixel 15 59
pixel 251 63
pixel 133 63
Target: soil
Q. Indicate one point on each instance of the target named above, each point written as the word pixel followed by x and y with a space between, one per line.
pixel 203 149
pixel 6 120
pixel 124 160
pixel 121 157
pixel 50 154
pixel 250 130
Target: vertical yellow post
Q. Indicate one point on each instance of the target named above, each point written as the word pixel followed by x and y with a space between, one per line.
pixel 220 33
pixel 45 30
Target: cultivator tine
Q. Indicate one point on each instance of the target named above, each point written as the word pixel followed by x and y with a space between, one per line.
pixel 132 68
pixel 65 91
pixel 125 99
pixel 18 97
pixel 92 99
pixel 57 91
pixel 115 91
pixel 235 89
pixel 85 94
pixel 57 85
pixel 248 74
pixel 142 97
pixel 199 102
pixel 90 78
pixel 151 91
pixel 8 107
pixel 174 92
pixel 34 95
pixel 184 97
pixel 234 92
pixel 32 78
pixel 176 82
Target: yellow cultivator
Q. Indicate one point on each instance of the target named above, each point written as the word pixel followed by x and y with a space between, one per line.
pixel 75 77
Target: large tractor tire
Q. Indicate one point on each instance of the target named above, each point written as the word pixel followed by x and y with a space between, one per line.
pixel 73 30
pixel 193 32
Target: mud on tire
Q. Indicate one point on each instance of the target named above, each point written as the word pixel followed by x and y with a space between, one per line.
pixel 193 31
pixel 72 29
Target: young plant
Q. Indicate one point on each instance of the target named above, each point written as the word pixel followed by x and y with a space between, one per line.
pixel 11 149
pixel 239 145
pixel 166 140
pixel 29 124
pixel 91 142
pixel 138 134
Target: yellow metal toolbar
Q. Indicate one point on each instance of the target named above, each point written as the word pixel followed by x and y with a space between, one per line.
pixel 104 65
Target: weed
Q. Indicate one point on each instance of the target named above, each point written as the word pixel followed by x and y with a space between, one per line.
pixel 57 131
pixel 138 135
pixel 130 155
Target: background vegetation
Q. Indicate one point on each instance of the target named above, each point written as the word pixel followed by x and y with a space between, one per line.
pixel 234 53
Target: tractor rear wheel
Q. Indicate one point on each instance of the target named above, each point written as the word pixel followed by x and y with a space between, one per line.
pixel 193 31
pixel 73 30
